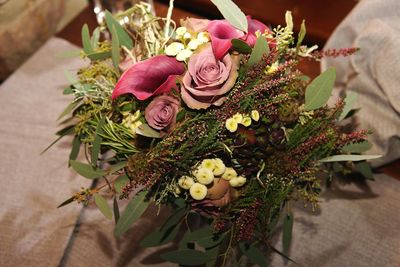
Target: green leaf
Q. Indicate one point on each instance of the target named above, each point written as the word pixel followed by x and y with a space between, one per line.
pixel 115 50
pixel 116 167
pixel 116 209
pixel 68 91
pixel 66 202
pixel 174 218
pixel 70 129
pixel 260 48
pixel 133 211
pixel 188 257
pixel 348 103
pixel 70 78
pixel 76 145
pixel 181 115
pixel 95 38
pixel 254 254
pixel 320 89
pixel 349 158
pixel 159 237
pixel 214 254
pixel 211 241
pixel 87 46
pixel 102 204
pixel 357 147
pixel 147 131
pixel 99 55
pixel 120 182
pixel 241 46
pixel 96 145
pixel 86 170
pixel 232 14
pixel 302 34
pixel 287 232
pixel 365 169
pixel 200 233
pixel 122 35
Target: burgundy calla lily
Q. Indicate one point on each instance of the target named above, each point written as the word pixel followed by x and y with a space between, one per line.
pixel 149 77
pixel 254 25
pixel 222 33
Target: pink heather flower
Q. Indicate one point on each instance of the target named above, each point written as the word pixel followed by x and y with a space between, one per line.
pixel 161 113
pixel 149 77
pixel 208 79
pixel 195 25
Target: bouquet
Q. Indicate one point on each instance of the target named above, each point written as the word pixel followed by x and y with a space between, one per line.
pixel 212 118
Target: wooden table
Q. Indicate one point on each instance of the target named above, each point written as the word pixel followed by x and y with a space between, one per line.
pixel 72 33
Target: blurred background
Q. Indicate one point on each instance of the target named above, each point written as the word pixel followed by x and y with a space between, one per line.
pixel 26 24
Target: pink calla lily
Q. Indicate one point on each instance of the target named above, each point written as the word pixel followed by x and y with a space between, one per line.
pixel 149 77
pixel 254 25
pixel 222 33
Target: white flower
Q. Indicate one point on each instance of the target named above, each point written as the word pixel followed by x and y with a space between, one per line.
pixel 193 44
pixel 187 35
pixel 246 121
pixel 198 191
pixel 181 31
pixel 174 48
pixel 183 55
pixel 185 182
pixel 203 37
pixel 237 181
pixel 231 125
pixel 229 174
pixel 177 190
pixel 238 117
pixel 255 115
pixel 219 168
pixel 208 164
pixel 204 176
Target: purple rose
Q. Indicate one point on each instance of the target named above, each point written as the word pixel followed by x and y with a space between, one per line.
pixel 161 113
pixel 208 79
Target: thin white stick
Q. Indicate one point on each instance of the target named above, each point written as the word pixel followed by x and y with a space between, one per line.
pixel 169 15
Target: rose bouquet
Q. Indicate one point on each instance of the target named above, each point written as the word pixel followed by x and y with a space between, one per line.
pixel 212 118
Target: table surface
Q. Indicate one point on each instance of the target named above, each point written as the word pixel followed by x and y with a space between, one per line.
pixel 72 33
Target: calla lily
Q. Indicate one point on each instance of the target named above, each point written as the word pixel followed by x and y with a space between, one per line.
pixel 254 25
pixel 149 77
pixel 222 33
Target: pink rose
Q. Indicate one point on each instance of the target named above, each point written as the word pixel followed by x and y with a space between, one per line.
pixel 161 113
pixel 208 79
pixel 149 77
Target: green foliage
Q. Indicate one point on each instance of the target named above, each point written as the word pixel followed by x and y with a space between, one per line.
pixel 357 147
pixel 254 254
pixel 232 14
pixel 260 48
pixel 133 211
pixel 102 204
pixel 349 101
pixel 241 46
pixel 118 31
pixel 189 257
pixel 287 232
pixel 320 89
pixel 349 158
pixel 87 46
pixel 86 170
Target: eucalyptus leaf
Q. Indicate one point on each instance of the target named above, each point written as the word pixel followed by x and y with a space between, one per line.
pixel 115 209
pixel 348 103
pixel 365 169
pixel 357 147
pixel 241 46
pixel 213 252
pixel 260 48
pixel 302 34
pixel 187 257
pixel 160 237
pixel 66 202
pixel 115 49
pixel 70 129
pixel 76 144
pixel 70 78
pixel 102 204
pixel 86 170
pixel 287 232
pixel 116 29
pixel 254 254
pixel 95 38
pixel 116 167
pixel 232 14
pixel 87 46
pixel 68 91
pixel 147 131
pixel 319 90
pixel 96 145
pixel 68 109
pixel 133 211
pixel 211 240
pixel 349 158
pixel 120 182
pixel 99 55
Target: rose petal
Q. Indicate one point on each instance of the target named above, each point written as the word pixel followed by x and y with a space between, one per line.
pixel 150 77
pixel 222 32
